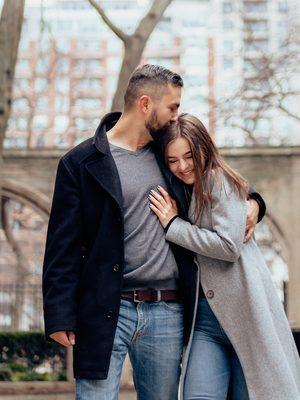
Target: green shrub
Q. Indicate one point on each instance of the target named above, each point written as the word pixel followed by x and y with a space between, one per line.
pixel 5 373
pixel 22 352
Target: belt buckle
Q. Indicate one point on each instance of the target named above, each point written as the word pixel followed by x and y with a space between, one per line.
pixel 135 295
pixel 158 296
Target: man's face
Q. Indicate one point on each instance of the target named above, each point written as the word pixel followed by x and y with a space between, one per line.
pixel 165 110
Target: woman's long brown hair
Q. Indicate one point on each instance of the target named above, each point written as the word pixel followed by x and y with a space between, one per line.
pixel 206 157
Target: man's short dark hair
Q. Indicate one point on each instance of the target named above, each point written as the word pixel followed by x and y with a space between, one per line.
pixel 151 80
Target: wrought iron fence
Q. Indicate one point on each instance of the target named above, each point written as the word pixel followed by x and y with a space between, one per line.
pixel 21 307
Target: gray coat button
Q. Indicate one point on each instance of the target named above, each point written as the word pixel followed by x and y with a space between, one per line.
pixel 116 268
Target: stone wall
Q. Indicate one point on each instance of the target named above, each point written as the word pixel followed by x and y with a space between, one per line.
pixel 274 172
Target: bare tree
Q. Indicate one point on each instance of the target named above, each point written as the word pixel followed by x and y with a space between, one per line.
pixel 134 44
pixel 268 87
pixel 10 32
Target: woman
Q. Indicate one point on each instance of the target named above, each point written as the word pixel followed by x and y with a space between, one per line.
pixel 241 334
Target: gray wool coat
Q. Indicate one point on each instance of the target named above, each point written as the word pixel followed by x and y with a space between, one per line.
pixel 238 286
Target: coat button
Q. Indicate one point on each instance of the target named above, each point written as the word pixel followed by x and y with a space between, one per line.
pixel 109 315
pixel 116 268
pixel 210 294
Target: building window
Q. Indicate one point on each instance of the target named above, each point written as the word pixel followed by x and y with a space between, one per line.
pixel 88 103
pixel 227 63
pixel 22 83
pixel 63 44
pixel 42 103
pixel 88 83
pixel 227 8
pixel 256 26
pixel 42 64
pixel 41 85
pixel 283 6
pixel 256 45
pixel 21 123
pixel 227 46
pixel 22 65
pixel 86 124
pixel 62 65
pixel 89 64
pixel 62 84
pixel 61 104
pixel 61 123
pixel 40 122
pixel 227 24
pixel 20 103
pixel 87 44
pixel 255 7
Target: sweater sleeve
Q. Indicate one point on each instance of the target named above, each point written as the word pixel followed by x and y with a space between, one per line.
pixel 225 240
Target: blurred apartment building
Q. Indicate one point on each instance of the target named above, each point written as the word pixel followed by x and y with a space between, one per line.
pixel 69 62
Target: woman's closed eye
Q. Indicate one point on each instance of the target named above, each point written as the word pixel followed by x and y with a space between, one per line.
pixel 186 158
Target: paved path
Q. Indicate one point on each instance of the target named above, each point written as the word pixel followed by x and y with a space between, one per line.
pixel 122 396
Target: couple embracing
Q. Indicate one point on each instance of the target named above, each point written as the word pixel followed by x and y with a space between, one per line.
pixel 150 253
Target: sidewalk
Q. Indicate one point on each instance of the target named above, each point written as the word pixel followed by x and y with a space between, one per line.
pixel 122 396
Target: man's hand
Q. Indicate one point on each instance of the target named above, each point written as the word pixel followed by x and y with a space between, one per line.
pixel 252 218
pixel 66 338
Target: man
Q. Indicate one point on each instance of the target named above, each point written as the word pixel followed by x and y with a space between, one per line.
pixel 112 284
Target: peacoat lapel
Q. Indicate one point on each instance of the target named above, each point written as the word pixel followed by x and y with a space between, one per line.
pixel 103 168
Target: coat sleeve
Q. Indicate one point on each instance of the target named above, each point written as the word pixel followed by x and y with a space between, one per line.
pixel 62 260
pixel 225 240
pixel 252 194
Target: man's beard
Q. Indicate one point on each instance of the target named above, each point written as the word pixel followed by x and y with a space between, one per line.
pixel 154 127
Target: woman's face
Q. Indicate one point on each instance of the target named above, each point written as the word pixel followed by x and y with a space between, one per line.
pixel 180 160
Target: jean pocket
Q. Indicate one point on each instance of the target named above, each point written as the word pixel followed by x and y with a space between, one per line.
pixel 173 306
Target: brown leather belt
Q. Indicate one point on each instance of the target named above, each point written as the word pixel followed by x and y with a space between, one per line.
pixel 151 295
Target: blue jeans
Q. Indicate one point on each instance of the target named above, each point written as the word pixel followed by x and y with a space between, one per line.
pixel 213 362
pixel 152 335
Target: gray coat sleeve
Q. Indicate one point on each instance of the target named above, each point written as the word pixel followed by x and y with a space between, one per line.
pixel 225 240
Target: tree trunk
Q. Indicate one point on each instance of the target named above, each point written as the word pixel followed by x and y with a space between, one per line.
pixel 10 33
pixel 132 55
pixel 11 21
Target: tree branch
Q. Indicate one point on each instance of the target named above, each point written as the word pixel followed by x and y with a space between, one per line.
pixel 288 112
pixel 117 31
pixel 150 20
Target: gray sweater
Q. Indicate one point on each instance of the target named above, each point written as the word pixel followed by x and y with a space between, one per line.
pixel 149 261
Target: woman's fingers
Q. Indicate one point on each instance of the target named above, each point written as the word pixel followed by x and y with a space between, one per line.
pixel 157 203
pixel 165 194
pixel 157 196
pixel 156 211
